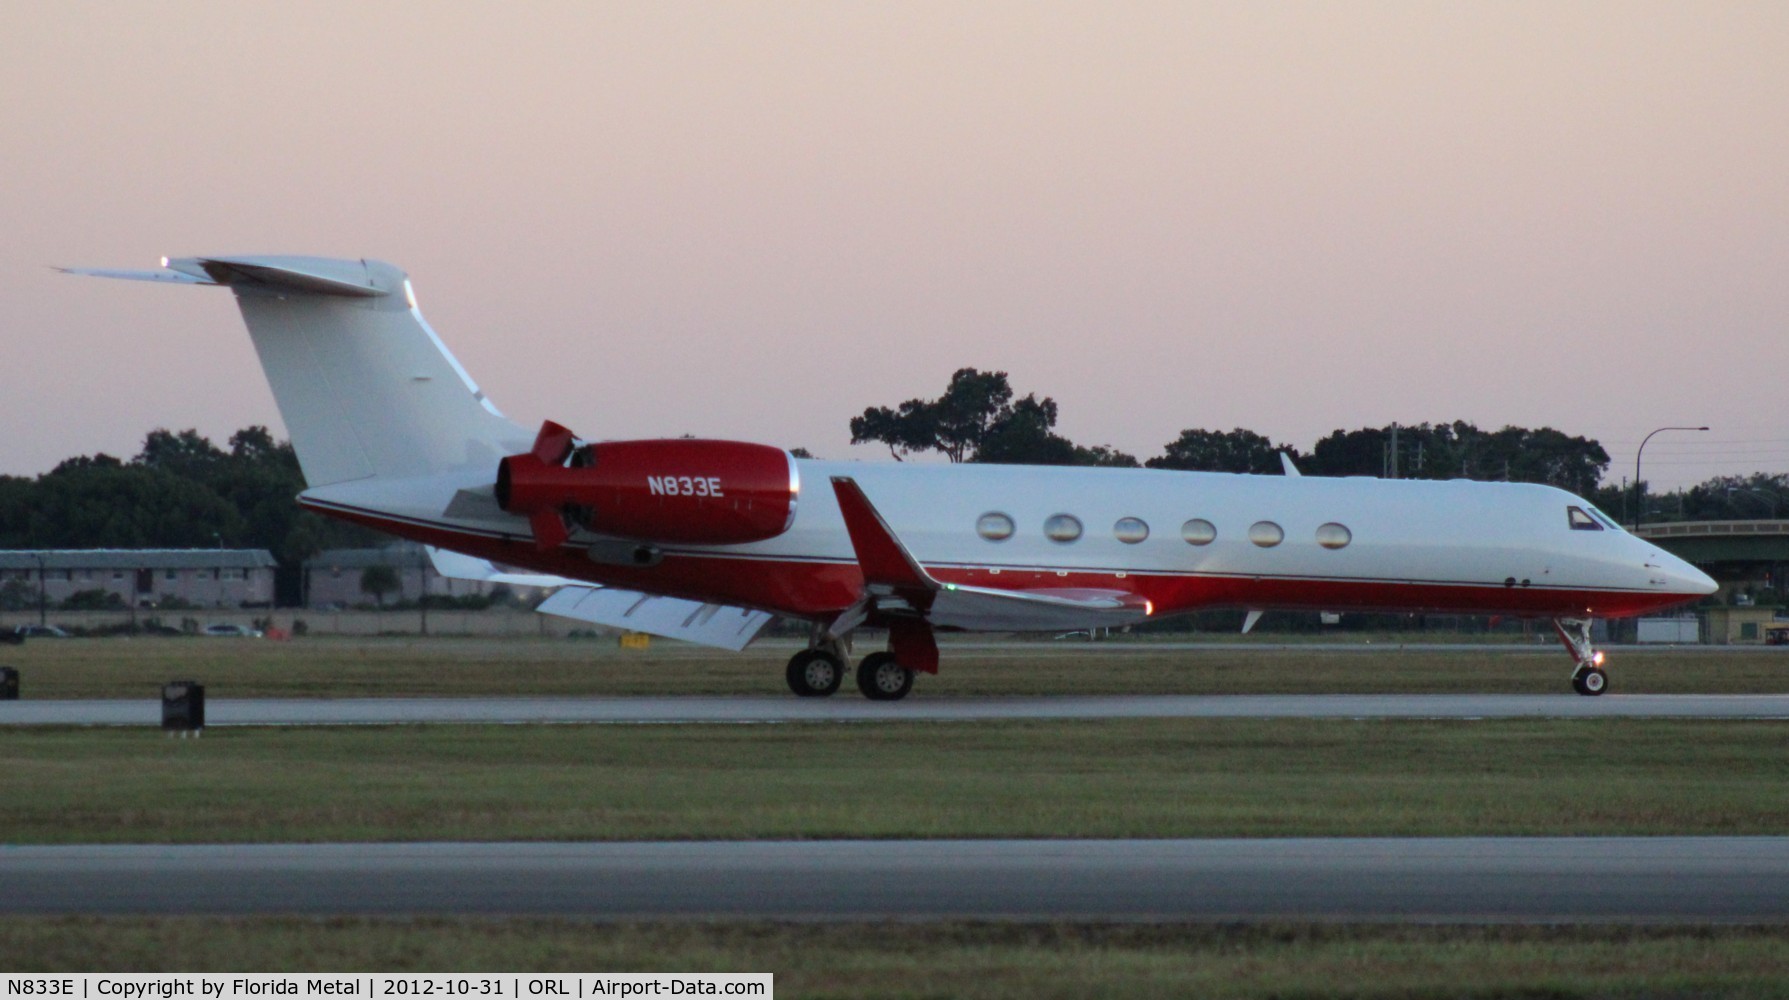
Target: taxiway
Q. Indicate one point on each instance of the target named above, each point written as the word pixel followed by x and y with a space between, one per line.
pixel 1621 879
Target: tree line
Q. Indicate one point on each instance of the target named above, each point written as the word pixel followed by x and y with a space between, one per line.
pixel 978 419
pixel 180 491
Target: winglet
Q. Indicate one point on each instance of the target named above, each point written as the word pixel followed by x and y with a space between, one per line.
pixel 1287 467
pixel 881 555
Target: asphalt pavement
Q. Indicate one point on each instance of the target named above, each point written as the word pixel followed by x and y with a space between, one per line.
pixel 846 707
pixel 1568 879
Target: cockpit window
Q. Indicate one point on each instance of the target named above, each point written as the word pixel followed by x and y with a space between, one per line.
pixel 1581 521
pixel 1607 522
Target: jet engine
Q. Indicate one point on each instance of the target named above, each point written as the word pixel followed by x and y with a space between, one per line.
pixel 674 490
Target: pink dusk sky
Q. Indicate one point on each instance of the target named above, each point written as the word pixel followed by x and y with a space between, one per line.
pixel 754 220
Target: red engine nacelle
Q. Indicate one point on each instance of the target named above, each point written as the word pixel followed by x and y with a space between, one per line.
pixel 677 490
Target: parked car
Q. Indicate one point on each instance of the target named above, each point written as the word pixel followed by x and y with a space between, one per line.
pixel 231 631
pixel 39 632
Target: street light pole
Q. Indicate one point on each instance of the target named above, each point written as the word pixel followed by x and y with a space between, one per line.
pixel 1641 451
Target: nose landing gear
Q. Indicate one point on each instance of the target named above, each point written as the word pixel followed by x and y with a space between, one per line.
pixel 1588 677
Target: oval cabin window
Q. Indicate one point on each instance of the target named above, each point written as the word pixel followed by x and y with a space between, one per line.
pixel 1130 530
pixel 995 527
pixel 1199 531
pixel 1334 536
pixel 1266 534
pixel 1062 528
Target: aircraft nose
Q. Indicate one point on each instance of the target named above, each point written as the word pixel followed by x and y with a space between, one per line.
pixel 1683 578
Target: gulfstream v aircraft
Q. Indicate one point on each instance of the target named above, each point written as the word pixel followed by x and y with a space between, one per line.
pixel 707 540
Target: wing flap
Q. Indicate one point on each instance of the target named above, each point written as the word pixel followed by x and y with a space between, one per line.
pixel 716 625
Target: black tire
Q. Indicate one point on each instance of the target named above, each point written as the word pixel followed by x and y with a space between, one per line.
pixel 1578 682
pixel 881 678
pixel 1593 682
pixel 814 673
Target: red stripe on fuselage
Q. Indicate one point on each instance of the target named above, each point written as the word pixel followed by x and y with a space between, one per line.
pixel 817 589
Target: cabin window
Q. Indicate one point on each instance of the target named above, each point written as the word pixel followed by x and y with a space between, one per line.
pixel 1199 531
pixel 994 526
pixel 1581 521
pixel 1334 536
pixel 1130 530
pixel 1266 534
pixel 1062 528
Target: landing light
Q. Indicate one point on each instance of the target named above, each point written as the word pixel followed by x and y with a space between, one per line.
pixel 1148 607
pixel 164 262
pixel 1597 657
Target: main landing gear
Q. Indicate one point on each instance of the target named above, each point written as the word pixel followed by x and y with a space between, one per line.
pixel 817 671
pixel 1588 677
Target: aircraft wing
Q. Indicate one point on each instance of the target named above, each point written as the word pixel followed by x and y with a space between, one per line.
pixel 896 583
pixel 703 624
pixel 990 609
pixel 691 621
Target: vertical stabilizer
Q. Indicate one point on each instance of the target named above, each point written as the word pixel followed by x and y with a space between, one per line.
pixel 365 387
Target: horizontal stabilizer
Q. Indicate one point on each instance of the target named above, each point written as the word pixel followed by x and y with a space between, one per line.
pixel 715 625
pixel 166 277
pixel 315 275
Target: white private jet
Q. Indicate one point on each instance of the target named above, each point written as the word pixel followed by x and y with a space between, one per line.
pixel 706 540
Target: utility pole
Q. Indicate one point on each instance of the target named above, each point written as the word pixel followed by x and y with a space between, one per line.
pixel 42 597
pixel 1394 450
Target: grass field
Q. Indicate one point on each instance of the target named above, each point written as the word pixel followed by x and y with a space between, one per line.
pixel 1095 778
pixel 972 961
pixel 389 667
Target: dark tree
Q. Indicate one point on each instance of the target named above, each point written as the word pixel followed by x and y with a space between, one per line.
pixel 1462 451
pixel 1222 451
pixel 379 581
pixel 977 420
pixel 180 491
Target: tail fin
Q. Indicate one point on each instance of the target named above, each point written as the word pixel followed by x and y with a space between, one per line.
pixel 365 387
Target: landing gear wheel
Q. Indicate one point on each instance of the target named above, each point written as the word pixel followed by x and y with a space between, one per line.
pixel 814 673
pixel 881 678
pixel 1591 682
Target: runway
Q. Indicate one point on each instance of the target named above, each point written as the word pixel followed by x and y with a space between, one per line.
pixel 1617 879
pixel 850 708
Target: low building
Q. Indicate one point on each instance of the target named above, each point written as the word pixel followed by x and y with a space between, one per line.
pixel 1741 625
pixel 143 578
pixel 333 577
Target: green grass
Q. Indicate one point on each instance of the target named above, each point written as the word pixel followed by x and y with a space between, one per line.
pixel 390 667
pixel 973 961
pixel 1107 778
